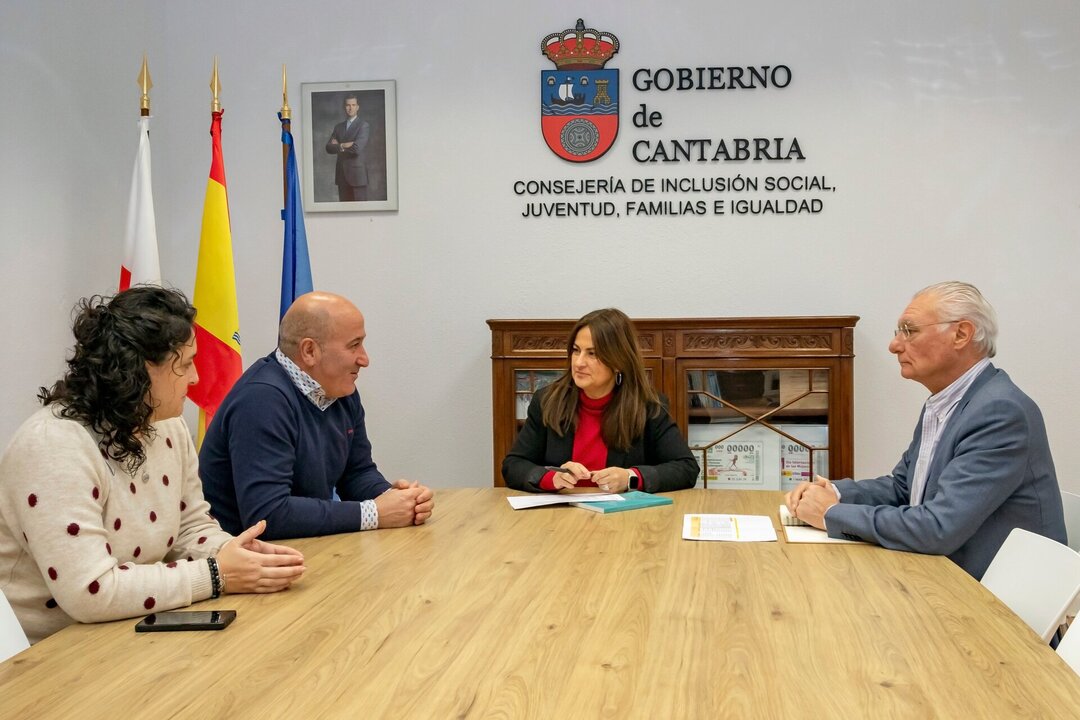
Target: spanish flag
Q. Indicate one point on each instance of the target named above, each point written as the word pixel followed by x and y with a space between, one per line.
pixel 217 325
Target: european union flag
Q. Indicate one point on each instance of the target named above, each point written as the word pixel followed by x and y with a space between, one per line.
pixel 295 263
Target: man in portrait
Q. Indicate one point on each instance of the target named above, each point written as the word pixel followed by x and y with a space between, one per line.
pixel 349 143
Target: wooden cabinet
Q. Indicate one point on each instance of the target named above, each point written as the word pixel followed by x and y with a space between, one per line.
pixel 764 401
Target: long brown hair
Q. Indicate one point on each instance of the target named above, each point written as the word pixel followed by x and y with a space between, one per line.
pixel 616 344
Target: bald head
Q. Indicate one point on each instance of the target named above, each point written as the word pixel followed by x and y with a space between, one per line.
pixel 323 334
pixel 314 316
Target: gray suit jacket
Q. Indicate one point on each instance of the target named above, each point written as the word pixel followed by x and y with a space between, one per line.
pixel 351 168
pixel 991 472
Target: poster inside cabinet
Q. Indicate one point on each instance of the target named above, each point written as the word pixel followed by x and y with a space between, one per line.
pixel 795 456
pixel 746 459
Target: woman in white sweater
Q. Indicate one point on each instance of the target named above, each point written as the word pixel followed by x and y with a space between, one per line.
pixel 102 514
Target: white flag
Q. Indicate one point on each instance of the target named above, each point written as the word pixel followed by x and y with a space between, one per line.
pixel 140 263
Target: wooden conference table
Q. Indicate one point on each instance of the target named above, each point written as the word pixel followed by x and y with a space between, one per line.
pixel 562 613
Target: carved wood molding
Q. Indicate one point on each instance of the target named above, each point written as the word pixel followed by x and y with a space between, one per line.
pixel 758 341
pixel 536 343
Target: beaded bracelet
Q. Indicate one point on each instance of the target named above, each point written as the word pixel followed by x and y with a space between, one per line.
pixel 215 578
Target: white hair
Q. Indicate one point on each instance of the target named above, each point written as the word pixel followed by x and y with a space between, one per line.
pixel 957 300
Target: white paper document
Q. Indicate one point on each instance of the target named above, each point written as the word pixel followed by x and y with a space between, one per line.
pixel 730 528
pixel 521 502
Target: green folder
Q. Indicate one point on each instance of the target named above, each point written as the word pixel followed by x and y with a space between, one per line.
pixel 633 500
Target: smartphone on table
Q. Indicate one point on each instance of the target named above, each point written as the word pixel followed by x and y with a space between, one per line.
pixel 186 620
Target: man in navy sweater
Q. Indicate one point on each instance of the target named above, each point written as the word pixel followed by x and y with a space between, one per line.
pixel 291 431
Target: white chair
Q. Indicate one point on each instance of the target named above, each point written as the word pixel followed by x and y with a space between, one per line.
pixel 1070 503
pixel 1069 649
pixel 1037 577
pixel 12 637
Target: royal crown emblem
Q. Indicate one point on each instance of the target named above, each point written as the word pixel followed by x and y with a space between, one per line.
pixel 579 101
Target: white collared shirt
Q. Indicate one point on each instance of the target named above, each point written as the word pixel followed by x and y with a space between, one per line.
pixel 936 413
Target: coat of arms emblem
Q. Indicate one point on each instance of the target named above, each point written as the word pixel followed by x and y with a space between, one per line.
pixel 579 101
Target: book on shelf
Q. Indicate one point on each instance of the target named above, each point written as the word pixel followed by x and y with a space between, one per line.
pixel 712 381
pixel 693 384
pixel 632 500
pixel 699 381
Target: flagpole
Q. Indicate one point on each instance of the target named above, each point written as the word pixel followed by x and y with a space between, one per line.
pixel 295 263
pixel 286 125
pixel 215 89
pixel 145 84
pixel 217 325
pixel 140 262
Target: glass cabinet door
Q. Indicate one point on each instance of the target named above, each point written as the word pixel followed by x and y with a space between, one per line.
pixel 758 429
pixel 526 383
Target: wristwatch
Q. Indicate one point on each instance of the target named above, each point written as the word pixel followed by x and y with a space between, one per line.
pixel 634 483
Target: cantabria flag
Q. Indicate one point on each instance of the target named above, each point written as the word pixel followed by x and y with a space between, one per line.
pixel 140 264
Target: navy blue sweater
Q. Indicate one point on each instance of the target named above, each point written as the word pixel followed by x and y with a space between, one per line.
pixel 271 454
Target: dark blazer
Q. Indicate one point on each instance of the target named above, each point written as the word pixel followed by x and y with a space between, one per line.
pixel 661 454
pixel 991 472
pixel 351 169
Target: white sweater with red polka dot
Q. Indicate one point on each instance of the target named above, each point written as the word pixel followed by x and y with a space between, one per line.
pixel 81 540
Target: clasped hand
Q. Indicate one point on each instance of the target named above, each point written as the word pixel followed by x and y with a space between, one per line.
pixel 809 501
pixel 405 503
pixel 611 479
pixel 250 565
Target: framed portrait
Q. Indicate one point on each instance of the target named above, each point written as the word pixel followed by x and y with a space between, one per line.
pixel 350 131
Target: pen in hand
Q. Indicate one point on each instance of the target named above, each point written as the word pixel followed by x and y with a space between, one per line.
pixel 553 468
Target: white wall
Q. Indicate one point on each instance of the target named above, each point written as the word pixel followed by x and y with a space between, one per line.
pixel 949 132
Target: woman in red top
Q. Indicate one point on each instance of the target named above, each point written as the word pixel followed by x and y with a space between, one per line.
pixel 601 421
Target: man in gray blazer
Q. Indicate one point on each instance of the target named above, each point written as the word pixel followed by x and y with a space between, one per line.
pixel 349 142
pixel 979 463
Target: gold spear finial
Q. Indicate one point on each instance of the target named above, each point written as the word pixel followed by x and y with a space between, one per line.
pixel 285 111
pixel 145 83
pixel 215 88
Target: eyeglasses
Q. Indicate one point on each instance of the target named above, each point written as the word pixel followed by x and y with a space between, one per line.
pixel 909 331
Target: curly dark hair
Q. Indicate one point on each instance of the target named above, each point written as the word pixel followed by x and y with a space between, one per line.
pixel 107 386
